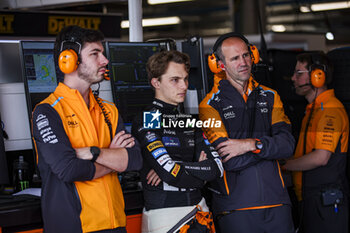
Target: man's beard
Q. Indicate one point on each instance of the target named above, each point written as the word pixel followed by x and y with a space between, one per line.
pixel 85 75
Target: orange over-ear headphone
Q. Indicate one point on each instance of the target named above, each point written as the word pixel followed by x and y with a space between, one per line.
pixel 317 71
pixel 213 59
pixel 68 59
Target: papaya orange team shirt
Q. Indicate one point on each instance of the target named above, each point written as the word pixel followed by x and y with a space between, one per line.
pixel 329 126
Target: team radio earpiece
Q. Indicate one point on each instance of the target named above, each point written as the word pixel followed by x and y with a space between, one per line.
pixel 318 72
pixel 68 59
pixel 213 61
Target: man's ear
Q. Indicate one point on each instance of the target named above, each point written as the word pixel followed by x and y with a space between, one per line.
pixel 155 82
pixel 221 65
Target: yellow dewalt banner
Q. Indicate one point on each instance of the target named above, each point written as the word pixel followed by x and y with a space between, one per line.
pixel 24 23
pixel 6 23
pixel 56 23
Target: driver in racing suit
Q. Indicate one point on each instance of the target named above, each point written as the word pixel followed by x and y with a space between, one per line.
pixel 177 160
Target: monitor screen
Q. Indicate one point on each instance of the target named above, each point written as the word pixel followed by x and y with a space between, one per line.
pixel 40 72
pixel 127 64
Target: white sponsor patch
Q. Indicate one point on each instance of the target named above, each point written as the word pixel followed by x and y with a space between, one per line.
pixel 151 136
pixel 215 154
pixel 163 159
pixel 168 187
pixel 169 165
pixel 221 168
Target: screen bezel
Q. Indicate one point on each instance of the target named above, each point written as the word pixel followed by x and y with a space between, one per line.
pixel 124 44
pixel 30 106
pixel 25 78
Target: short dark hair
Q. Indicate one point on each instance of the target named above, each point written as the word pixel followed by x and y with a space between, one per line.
pixel 73 34
pixel 158 63
pixel 317 59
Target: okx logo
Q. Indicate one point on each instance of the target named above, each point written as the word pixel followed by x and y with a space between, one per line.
pixel 151 120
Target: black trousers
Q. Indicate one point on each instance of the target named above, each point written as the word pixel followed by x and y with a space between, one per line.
pixel 317 218
pixel 269 220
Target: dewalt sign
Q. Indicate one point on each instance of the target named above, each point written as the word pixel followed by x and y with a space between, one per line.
pixel 24 23
pixel 6 23
pixel 56 23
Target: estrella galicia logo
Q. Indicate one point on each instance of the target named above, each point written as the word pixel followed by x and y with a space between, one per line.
pixel 151 120
pixel 159 152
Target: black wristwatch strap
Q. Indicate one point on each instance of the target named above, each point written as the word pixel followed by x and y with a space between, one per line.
pixel 95 151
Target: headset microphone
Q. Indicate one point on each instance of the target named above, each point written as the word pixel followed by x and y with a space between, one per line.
pixel 106 75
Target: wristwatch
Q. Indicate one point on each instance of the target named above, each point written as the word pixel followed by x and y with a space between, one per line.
pixel 258 146
pixel 95 151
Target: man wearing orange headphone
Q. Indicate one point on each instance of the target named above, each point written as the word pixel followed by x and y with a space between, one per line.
pixel 319 161
pixel 251 197
pixel 81 143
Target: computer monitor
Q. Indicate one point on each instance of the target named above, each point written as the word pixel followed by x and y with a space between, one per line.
pixel 40 71
pixel 130 87
pixel 41 74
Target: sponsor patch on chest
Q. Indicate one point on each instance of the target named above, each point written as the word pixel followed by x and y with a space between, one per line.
pixel 229 115
pixel 171 141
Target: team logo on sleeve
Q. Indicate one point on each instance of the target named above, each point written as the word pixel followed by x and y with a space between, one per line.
pixel 169 165
pixel 154 145
pixel 159 152
pixel 151 120
pixel 42 121
pixel 151 137
pixel 163 159
pixel 215 154
pixel 45 130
